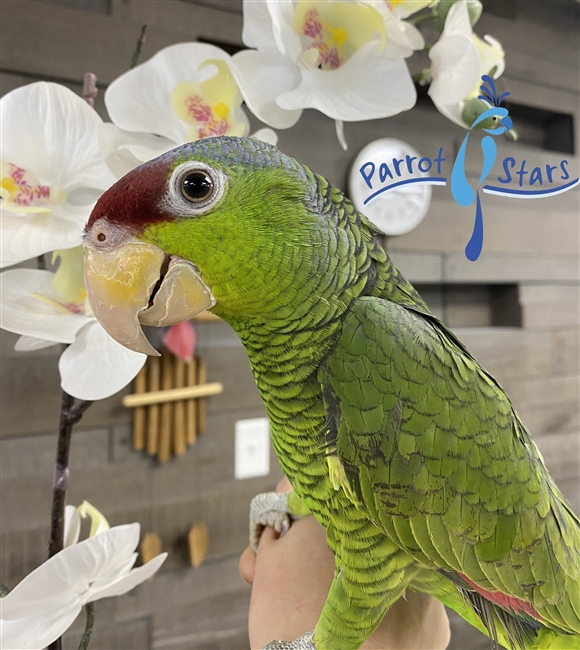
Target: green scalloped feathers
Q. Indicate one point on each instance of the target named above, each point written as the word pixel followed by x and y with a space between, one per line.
pixel 454 477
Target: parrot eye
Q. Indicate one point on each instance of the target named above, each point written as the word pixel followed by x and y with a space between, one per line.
pixel 197 186
pixel 194 188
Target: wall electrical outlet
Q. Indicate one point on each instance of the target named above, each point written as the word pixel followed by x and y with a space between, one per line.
pixel 252 448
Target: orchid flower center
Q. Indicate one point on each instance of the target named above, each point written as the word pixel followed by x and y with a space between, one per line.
pixel 21 192
pixel 209 106
pixel 69 295
pixel 332 32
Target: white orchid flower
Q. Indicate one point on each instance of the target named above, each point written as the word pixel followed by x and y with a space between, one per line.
pixel 342 57
pixel 48 308
pixel 184 93
pixel 44 605
pixel 459 59
pixel 51 172
pixel 405 8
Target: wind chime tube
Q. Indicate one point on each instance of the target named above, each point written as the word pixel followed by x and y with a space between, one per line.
pixel 179 410
pixel 153 414
pixel 139 413
pixel 164 451
pixel 201 380
pixel 191 406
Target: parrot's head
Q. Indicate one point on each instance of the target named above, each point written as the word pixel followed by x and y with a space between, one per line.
pixel 224 223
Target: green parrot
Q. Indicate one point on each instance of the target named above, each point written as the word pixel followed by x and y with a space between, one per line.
pixel 402 446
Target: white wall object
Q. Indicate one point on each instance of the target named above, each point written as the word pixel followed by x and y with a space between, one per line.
pixel 401 209
pixel 252 457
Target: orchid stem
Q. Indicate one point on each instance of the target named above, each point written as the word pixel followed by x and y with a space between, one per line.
pixel 69 416
pixel 41 263
pixel 138 47
pixel 90 88
pixel 84 644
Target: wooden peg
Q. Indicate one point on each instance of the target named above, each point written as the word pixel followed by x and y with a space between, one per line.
pixel 153 415
pixel 139 413
pixel 150 547
pixel 198 543
pixel 164 452
pixel 201 380
pixel 191 406
pixel 173 395
pixel 179 409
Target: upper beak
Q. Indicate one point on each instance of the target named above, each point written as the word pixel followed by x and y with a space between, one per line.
pixel 135 283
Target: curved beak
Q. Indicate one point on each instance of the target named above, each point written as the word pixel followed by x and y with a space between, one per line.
pixel 136 284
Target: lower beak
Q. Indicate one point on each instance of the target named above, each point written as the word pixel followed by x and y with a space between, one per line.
pixel 137 284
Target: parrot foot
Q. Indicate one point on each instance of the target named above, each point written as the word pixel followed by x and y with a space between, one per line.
pixel 269 509
pixel 304 642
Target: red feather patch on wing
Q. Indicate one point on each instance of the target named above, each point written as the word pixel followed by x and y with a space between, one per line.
pixel 507 602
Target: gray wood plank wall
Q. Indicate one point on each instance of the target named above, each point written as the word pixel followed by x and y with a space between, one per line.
pixel 531 245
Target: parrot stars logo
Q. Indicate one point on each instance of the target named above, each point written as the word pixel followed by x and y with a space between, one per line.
pixel 514 182
pixel 494 121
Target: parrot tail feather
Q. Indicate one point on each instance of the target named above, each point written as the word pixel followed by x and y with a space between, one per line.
pixel 520 629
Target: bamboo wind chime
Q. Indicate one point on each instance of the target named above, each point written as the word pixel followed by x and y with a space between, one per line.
pixel 169 405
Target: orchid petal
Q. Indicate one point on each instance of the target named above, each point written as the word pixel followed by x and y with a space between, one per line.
pixel 99 524
pixel 257 30
pixel 100 556
pixel 129 581
pixel 31 344
pixel 400 40
pixel 491 55
pixel 343 27
pixel 134 106
pixel 52 131
pixel 26 237
pixel 406 8
pixel 413 35
pixel 58 581
pixel 287 40
pixel 68 281
pixel 125 150
pixel 95 366
pixel 266 135
pixel 38 630
pixel 117 570
pixel 455 69
pixel 262 77
pixel 72 526
pixel 457 22
pixel 24 313
pixel 339 126
pixel 453 112
pixel 366 87
pixel 44 605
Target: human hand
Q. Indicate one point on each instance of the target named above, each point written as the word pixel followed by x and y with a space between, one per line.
pixel 291 577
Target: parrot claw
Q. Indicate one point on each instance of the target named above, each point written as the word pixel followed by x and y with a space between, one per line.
pixel 269 509
pixel 304 642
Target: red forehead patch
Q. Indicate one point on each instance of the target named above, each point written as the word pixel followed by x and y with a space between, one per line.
pixel 134 199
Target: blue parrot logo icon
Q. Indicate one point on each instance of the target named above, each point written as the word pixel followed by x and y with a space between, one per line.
pixel 460 188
